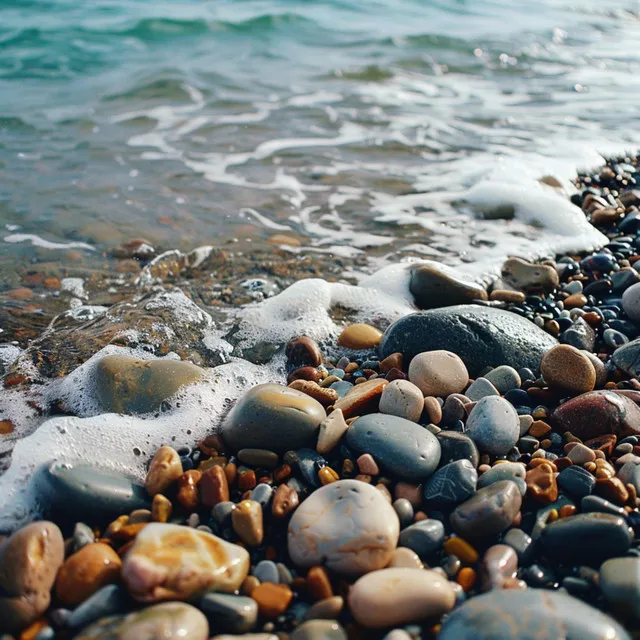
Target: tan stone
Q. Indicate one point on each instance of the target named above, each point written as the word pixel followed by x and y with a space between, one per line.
pixel 567 368
pixel 323 395
pixel 164 470
pixel 331 430
pixel 526 276
pixel 359 336
pixel 438 373
pixel 247 522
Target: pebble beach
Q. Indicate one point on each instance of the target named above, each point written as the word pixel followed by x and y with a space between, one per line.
pixel 469 470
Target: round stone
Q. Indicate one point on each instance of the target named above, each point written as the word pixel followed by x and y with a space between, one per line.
pixel 403 399
pixel 567 368
pixel 489 512
pixel 169 621
pixel 400 447
pixel 494 425
pixel 438 373
pixel 273 417
pixel 627 357
pixel 631 302
pixel 620 584
pixel 504 378
pixel 515 471
pixel 359 336
pixel 423 538
pixel 230 613
pixel 319 630
pixel 452 484
pixel 480 388
pixel 303 351
pixel 317 534
pixel 398 596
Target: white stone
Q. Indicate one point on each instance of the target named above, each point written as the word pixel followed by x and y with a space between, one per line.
pixel 403 399
pixel 438 373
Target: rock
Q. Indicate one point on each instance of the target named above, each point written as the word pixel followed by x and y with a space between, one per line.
pixel 565 367
pixel 126 385
pixel 489 512
pixel 29 561
pixel 87 571
pixel 104 629
pixel 481 336
pixel 586 538
pixel 164 470
pixel 541 483
pixel 529 615
pixel 522 544
pixel 327 609
pixel 230 613
pixel 494 425
pixel 631 302
pixel 627 357
pixel 108 601
pixel 597 413
pixel 303 351
pixel 331 430
pixel 579 335
pixel 403 557
pixel 359 336
pixel 170 620
pixel 285 500
pixel 514 471
pixel 272 599
pixel 258 458
pixel 172 562
pixel 82 536
pixel 620 584
pixel 480 388
pixel 528 277
pixel 630 473
pixel 452 484
pixel 246 519
pixel 77 488
pixel 438 373
pixel 403 399
pixel 435 285
pixel 317 534
pixel 457 446
pixel 362 398
pixel 400 447
pixel 504 378
pixel 319 630
pixel 213 486
pixel 273 417
pixel 499 563
pixel 391 597
pixel 423 538
pixel 600 369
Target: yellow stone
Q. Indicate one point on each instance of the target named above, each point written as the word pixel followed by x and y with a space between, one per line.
pixel 460 548
pixel 327 475
pixel 359 336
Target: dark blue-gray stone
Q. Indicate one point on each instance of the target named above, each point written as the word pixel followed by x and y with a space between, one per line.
pixel 627 357
pixel 86 490
pixel 522 543
pixel 579 335
pixel 108 601
pixel 229 613
pixel 457 446
pixel 424 537
pixel 401 447
pixel 221 513
pixel 576 481
pixel 596 504
pixel 262 494
pixel 451 484
pixel 307 462
pixel 529 615
pixel 586 538
pixel 481 336
pixel 630 473
pixel 267 571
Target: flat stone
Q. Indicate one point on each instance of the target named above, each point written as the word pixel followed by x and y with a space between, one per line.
pixel 434 285
pixel 586 538
pixel 493 425
pixel 514 471
pixel 169 621
pixel 273 417
pixel 423 538
pixel 504 378
pixel 163 554
pixel 452 484
pixel 627 358
pixel 576 481
pixel 317 533
pixel 393 597
pixel 481 336
pixel 438 373
pixel 489 512
pixel 403 399
pixel 362 398
pixel 331 430
pixel 400 447
pixel 529 277
pixel 126 385
pixel 480 388
pixel 529 615
pixel 620 584
pixel 108 601
pixel 457 446
pixel 319 630
pixel 230 613
pixel 569 369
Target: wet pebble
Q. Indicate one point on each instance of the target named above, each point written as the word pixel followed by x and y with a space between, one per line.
pixel 620 584
pixel 504 378
pixel 451 484
pixel 403 399
pixel 493 425
pixel 438 373
pixel 567 368
pixel 230 613
pixel 424 537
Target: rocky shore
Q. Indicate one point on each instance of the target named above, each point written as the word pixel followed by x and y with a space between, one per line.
pixel 468 471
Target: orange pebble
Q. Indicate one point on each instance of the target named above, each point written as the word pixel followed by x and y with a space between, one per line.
pixel 273 599
pixel 460 548
pixel 567 510
pixel 466 578
pixel 319 584
pixel 327 475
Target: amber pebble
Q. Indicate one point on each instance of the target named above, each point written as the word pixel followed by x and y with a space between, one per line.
pixel 604 443
pixel 359 336
pixel 323 395
pixel 164 470
pixel 541 483
pixel 85 572
pixel 303 351
pixel 563 463
pixel 633 496
pixel 433 410
pixel 129 531
pixel 394 361
pixel 273 599
pixel 546 443
pixel 539 429
pixel 318 583
pixel 304 373
pixel 575 300
pixel 188 489
pixel 161 508
pixel 327 475
pixel 567 510
pixel 351 367
pixel 231 470
pixel 115 526
pixel 247 480
pixel 32 631
pixel 612 489
pixel 282 473
pixel 348 467
pixel 456 546
pixel 466 578
pixel 505 295
pixel 246 520
pixel 248 585
pixel 214 487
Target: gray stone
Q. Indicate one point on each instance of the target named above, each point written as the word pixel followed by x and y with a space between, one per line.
pixel 493 425
pixel 108 601
pixel 627 357
pixel 319 630
pixel 504 378
pixel 529 615
pixel 402 448
pixel 452 484
pixel 424 537
pixel 505 471
pixel 576 481
pixel 620 584
pixel 597 504
pixel 457 446
pixel 630 473
pixel 404 509
pixel 342 387
pixel 631 302
pixel 403 399
pixel 579 335
pixel 480 388
pixel 82 536
pixel 169 621
pixel 521 543
pixel 267 571
pixel 481 336
pixel 229 613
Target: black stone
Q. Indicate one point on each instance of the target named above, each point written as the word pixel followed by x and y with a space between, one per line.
pixel 457 446
pixel 579 335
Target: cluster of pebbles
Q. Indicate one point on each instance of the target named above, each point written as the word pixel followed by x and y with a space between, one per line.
pixel 471 473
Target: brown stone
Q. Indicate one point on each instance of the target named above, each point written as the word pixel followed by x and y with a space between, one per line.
pixel 188 489
pixel 359 336
pixel 505 295
pixel 363 398
pixel 85 572
pixel 213 487
pixel 318 583
pixel 575 300
pixel 394 361
pixel 567 368
pixel 247 522
pixel 323 395
pixel 541 484
pixel 303 351
pixel 247 480
pixel 285 500
pixel 539 429
pixel 434 285
pixel 612 489
pixel 273 599
pixel 304 373
pixel 433 410
pixel 528 277
pixel 161 508
pixel 164 470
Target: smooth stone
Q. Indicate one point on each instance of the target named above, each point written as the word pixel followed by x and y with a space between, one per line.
pixel 258 458
pixel 480 388
pixel 529 277
pixel 438 373
pixel 493 425
pixel 341 387
pixel 453 410
pixel 82 536
pixel 586 538
pixel 108 601
pixel 627 357
pixel 576 481
pixel 317 534
pixel 362 398
pixel 104 629
pixel 596 504
pixel 391 597
pixel 457 446
pixel 78 488
pixel 327 609
pixel 126 385
pixel 403 399
pixel 504 378
pixel 499 563
pixel 400 447
pixel 303 352
pixel 398 634
pixel 168 561
pixel 567 368
pixel 359 336
pixel 273 417
pixel 525 424
pixel 620 584
pixel 230 613
pixel 481 336
pixel 404 557
pixel 597 413
pixel 262 494
pixel 164 470
pixel 168 620
pixel 521 542
pixel 319 630
pixel 579 335
pixel 267 571
pixel 489 512
pixel 331 430
pixel 435 285
pixel 424 537
pixel 452 484
pixel 630 473
pixel 506 614
pixel 505 471
pixel 631 302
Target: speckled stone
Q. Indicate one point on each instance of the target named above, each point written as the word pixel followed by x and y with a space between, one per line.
pixel 273 417
pixel 424 537
pixel 400 447
pixel 569 369
pixel 529 615
pixel 452 484
pixel 318 531
pixel 434 285
pixel 493 425
pixel 620 584
pixel 403 399
pixel 392 597
pixel 504 378
pixel 438 373
pixel 627 357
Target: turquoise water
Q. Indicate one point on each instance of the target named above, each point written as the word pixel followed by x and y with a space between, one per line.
pixel 189 122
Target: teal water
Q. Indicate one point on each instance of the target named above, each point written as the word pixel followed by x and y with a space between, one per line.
pixel 188 122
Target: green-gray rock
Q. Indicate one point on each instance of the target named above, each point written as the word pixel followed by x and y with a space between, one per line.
pixel 229 613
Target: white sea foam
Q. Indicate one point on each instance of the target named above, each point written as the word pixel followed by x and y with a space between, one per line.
pixel 46 244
